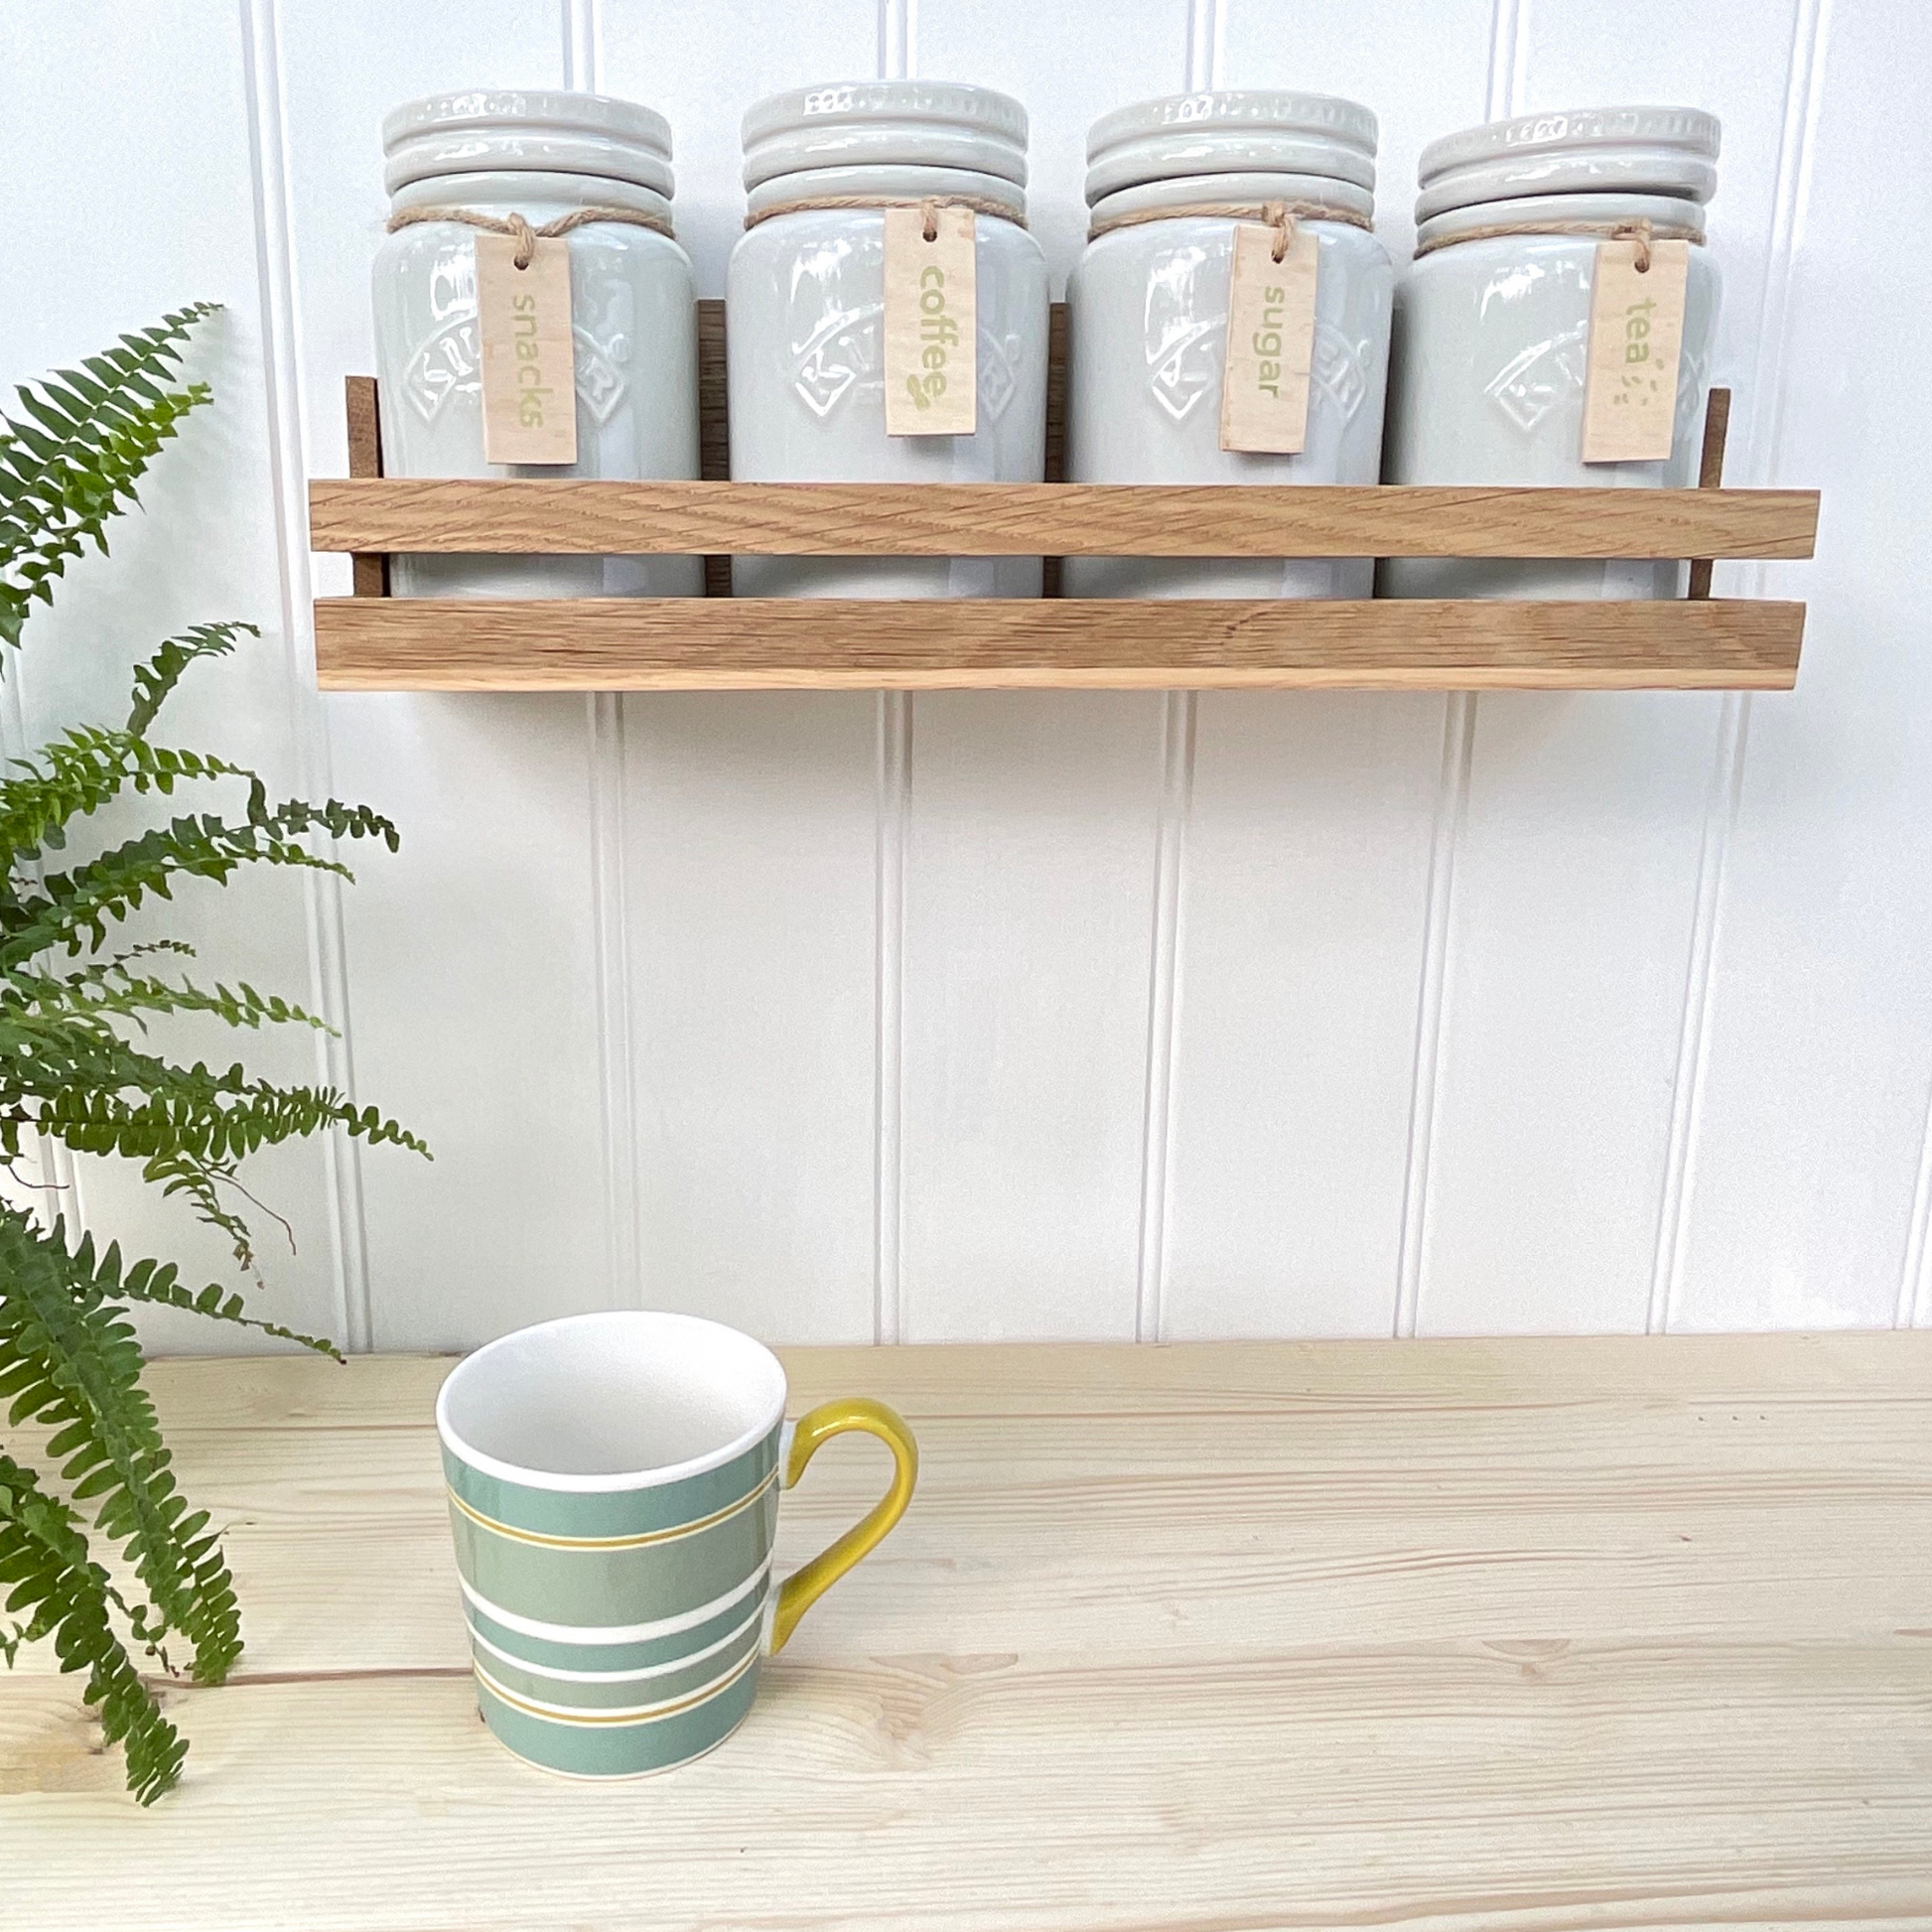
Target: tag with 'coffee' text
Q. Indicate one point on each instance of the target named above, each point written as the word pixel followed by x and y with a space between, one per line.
pixel 1636 331
pixel 529 366
pixel 931 323
pixel 1269 342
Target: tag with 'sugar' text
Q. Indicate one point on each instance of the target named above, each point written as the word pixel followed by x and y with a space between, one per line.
pixel 931 323
pixel 529 366
pixel 1269 342
pixel 1636 332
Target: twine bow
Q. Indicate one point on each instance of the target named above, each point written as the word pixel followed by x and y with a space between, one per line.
pixel 526 236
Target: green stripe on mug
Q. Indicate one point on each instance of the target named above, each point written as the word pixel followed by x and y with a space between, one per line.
pixel 619 1750
pixel 585 1583
pixel 599 1514
pixel 616 1692
pixel 548 1648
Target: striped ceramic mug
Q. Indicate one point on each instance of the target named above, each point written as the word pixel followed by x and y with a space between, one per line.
pixel 614 1488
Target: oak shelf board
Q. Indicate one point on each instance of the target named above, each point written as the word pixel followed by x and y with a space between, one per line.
pixel 560 516
pixel 1436 1633
pixel 381 643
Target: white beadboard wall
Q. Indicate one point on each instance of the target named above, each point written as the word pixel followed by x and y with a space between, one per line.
pixel 992 1016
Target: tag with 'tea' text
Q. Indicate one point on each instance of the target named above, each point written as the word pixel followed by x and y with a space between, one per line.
pixel 1269 342
pixel 931 323
pixel 1636 331
pixel 529 372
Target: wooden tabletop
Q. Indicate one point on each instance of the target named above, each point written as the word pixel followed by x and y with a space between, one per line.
pixel 1537 1635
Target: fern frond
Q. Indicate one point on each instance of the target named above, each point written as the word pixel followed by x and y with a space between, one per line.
pixel 81 771
pixel 46 1573
pixel 75 464
pixel 74 909
pixel 106 987
pixel 69 1359
pixel 157 676
pixel 74 1066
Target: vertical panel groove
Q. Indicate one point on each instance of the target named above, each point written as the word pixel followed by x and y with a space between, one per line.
pixel 582 28
pixel 1206 45
pixel 898 61
pixel 1756 461
pixel 288 470
pixel 899 26
pixel 1508 44
pixel 1914 1309
pixel 583 44
pixel 1694 1033
pixel 889 999
pixel 1452 808
pixel 1206 34
pixel 1177 794
pixel 609 940
pixel 1509 48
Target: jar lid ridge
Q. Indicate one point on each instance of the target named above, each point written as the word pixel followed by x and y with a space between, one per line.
pixel 871 134
pixel 540 131
pixel 1670 152
pixel 1229 132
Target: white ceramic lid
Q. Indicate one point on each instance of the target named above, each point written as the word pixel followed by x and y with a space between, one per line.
pixel 1660 211
pixel 1244 132
pixel 1663 151
pixel 886 123
pixel 1247 190
pixel 543 131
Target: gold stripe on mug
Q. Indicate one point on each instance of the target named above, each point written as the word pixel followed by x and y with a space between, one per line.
pixel 637 1715
pixel 640 1541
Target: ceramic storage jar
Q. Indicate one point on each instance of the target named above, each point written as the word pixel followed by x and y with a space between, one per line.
pixel 1491 329
pixel 1147 306
pixel 634 320
pixel 805 301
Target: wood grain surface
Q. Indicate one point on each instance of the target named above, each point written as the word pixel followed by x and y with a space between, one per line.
pixel 561 515
pixel 370 573
pixel 970 643
pixel 1544 1635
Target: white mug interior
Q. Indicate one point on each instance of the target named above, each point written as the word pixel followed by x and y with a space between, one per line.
pixel 612 1401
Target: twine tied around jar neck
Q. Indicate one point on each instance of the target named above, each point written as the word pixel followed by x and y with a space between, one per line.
pixel 526 236
pixel 1279 215
pixel 1642 231
pixel 928 205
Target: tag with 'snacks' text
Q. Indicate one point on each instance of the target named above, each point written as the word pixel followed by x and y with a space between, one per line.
pixel 931 323
pixel 529 366
pixel 1636 332
pixel 1269 342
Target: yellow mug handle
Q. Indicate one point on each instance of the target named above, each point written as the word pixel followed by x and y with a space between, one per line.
pixel 800 1590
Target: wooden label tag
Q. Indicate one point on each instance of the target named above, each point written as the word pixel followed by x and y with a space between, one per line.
pixel 529 366
pixel 931 323
pixel 1269 342
pixel 1636 329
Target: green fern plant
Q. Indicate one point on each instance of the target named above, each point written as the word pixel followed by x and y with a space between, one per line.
pixel 76 1069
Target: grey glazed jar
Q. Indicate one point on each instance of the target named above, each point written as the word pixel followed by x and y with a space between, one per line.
pixel 805 299
pixel 633 308
pixel 1491 334
pixel 1146 315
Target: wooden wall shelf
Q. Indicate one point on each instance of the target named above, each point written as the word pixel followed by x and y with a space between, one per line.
pixel 374 642
pixel 569 517
pixel 365 644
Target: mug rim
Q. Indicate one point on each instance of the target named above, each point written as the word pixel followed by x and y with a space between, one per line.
pixel 624 1480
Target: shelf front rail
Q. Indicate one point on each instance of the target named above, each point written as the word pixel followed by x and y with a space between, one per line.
pixel 372 642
